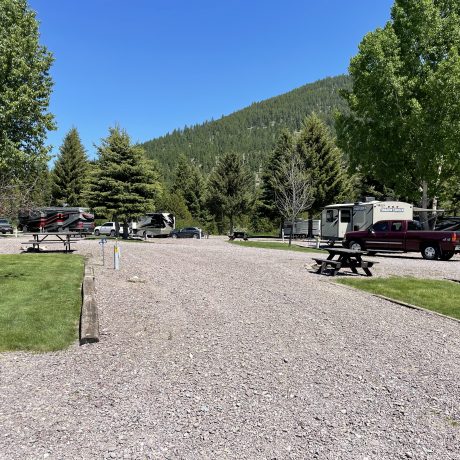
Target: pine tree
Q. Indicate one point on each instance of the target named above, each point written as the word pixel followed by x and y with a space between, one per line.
pixel 230 189
pixel 69 176
pixel 324 161
pixel 124 184
pixel 189 183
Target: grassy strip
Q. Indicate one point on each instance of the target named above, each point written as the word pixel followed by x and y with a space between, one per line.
pixel 40 301
pixel 275 245
pixel 436 295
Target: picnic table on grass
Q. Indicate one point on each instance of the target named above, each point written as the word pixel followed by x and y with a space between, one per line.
pixel 345 258
pixel 66 239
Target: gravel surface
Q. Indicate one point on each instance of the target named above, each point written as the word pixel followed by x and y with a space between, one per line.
pixel 224 352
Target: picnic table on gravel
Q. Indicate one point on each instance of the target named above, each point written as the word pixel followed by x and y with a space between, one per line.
pixel 346 258
pixel 66 239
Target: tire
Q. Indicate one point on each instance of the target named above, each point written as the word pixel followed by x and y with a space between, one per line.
pixel 173 235
pixel 447 255
pixel 112 232
pixel 430 252
pixel 97 232
pixel 355 246
pixel 195 236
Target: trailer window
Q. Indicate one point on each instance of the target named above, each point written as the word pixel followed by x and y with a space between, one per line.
pixel 329 215
pixel 345 215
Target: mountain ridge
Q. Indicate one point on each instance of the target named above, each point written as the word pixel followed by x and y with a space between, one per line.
pixel 250 131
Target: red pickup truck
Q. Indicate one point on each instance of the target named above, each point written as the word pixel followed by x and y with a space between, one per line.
pixel 404 236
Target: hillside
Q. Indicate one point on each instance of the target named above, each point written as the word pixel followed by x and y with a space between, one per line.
pixel 250 131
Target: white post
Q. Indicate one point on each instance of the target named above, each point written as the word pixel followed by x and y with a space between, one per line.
pixel 282 235
pixel 116 256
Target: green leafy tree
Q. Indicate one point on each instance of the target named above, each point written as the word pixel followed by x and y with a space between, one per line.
pixel 230 189
pixel 124 183
pixel 70 172
pixel 25 89
pixel 404 106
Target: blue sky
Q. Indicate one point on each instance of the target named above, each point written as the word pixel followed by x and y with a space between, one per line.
pixel 152 66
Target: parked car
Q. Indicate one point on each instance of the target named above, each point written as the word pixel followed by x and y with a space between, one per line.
pixel 188 232
pixel 107 229
pixel 5 226
pixel 404 236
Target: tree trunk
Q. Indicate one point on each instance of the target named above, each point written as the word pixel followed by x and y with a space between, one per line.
pixel 292 230
pixel 125 229
pixel 310 224
pixel 424 214
pixel 231 223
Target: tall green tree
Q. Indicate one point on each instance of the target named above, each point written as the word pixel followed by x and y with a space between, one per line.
pixel 230 189
pixel 124 184
pixel 188 182
pixel 69 176
pixel 404 106
pixel 25 89
pixel 324 161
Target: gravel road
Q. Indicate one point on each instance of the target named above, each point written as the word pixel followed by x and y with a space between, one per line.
pixel 224 352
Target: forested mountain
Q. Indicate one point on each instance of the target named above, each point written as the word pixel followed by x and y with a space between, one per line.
pixel 251 131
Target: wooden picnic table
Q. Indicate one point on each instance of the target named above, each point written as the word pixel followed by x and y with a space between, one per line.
pixel 46 238
pixel 345 258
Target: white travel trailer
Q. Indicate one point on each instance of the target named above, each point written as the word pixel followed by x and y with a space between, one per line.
pixel 337 219
pixel 301 228
pixel 154 224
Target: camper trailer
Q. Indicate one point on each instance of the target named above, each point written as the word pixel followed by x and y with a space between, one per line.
pixel 301 228
pixel 56 219
pixel 154 224
pixel 337 219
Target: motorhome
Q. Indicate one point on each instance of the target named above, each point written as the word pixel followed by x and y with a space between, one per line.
pixel 337 219
pixel 56 219
pixel 154 224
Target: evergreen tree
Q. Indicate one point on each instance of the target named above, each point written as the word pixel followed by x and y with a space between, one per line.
pixel 124 183
pixel 69 176
pixel 25 89
pixel 230 189
pixel 189 183
pixel 324 161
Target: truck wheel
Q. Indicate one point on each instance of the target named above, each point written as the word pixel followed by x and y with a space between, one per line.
pixel 430 252
pixel 112 232
pixel 355 246
pixel 96 232
pixel 447 255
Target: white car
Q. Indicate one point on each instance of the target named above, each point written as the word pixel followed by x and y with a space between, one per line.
pixel 107 229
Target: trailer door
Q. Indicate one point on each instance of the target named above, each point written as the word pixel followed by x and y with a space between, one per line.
pixel 344 221
pixel 330 223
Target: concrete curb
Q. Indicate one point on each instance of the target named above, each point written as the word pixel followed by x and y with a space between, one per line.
pixel 89 319
pixel 398 302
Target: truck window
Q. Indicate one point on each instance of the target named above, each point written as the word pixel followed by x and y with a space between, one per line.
pixel 329 215
pixel 345 215
pixel 414 225
pixel 380 226
pixel 396 226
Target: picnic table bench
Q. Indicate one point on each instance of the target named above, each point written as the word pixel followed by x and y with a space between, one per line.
pixel 346 258
pixel 60 238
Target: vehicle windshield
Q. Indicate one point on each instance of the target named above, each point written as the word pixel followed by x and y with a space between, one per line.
pixel 3 221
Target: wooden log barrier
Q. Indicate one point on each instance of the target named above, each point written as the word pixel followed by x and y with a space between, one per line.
pixel 89 319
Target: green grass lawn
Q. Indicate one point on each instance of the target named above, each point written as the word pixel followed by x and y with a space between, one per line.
pixel 40 301
pixel 437 295
pixel 275 245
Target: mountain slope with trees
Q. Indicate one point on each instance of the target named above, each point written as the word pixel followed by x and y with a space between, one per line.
pixel 252 131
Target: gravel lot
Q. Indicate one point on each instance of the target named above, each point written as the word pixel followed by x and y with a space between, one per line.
pixel 226 352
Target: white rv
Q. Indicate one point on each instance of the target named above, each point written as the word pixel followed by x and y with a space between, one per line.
pixel 301 228
pixel 337 219
pixel 154 224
